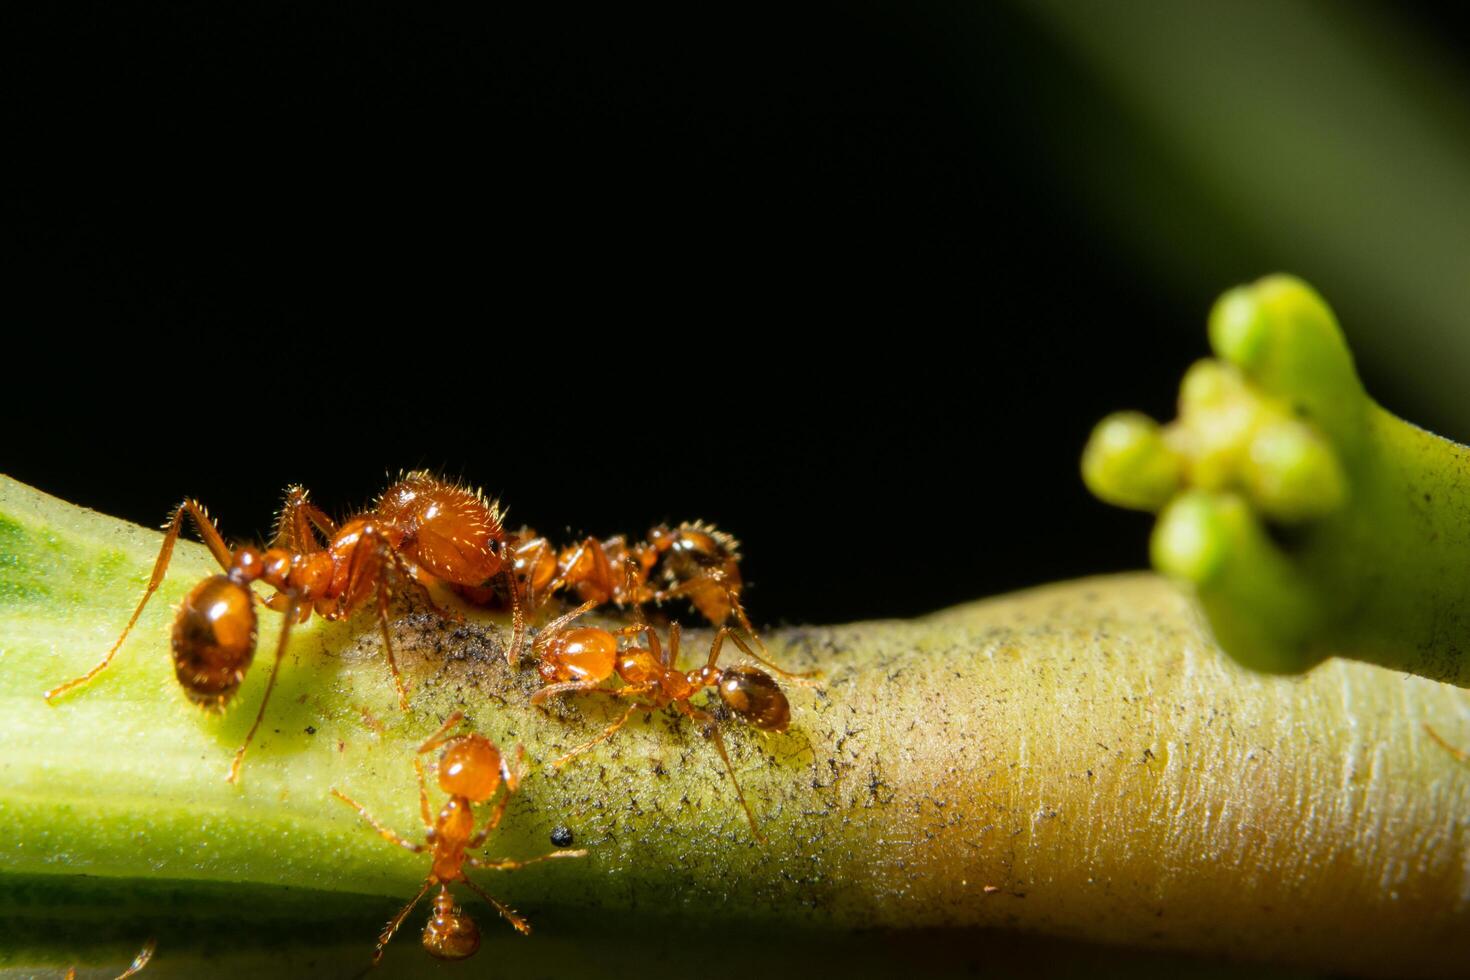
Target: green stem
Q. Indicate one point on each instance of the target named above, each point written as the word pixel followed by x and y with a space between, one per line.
pixel 1310 521
pixel 1075 760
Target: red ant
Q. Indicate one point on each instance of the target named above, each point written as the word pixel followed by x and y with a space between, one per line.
pixel 696 561
pixel 421 528
pixel 471 770
pixel 580 660
pixel 141 960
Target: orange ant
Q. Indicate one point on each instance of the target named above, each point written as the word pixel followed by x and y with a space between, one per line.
pixel 471 770
pixel 141 960
pixel 421 528
pixel 696 561
pixel 580 660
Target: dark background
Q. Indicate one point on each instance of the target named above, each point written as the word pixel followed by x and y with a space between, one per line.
pixel 816 272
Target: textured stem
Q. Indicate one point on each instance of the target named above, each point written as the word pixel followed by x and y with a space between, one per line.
pixel 1075 760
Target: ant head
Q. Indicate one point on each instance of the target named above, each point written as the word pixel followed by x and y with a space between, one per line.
pixel 755 697
pixel 214 640
pixel 470 767
pixel 450 934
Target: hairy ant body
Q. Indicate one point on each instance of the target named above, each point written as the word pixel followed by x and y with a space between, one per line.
pixel 579 660
pixel 420 528
pixel 471 770
pixel 141 960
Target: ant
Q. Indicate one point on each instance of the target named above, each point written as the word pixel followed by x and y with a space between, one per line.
pixel 471 770
pixel 696 561
pixel 141 960
pixel 579 661
pixel 421 528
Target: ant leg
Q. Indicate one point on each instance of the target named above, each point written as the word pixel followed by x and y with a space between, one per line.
pixel 608 733
pixel 506 912
pixel 517 616
pixel 566 687
pixel 533 561
pixel 490 825
pixel 367 572
pixel 557 625
pixel 442 735
pixel 632 573
pixel 288 618
pixel 212 540
pixel 803 680
pixel 388 642
pixel 1458 753
pixel 508 865
pixel 386 936
pixel 387 833
pixel 739 608
pixel 713 730
pixel 141 960
pixel 299 521
pixel 512 774
pixel 417 581
pixel 428 819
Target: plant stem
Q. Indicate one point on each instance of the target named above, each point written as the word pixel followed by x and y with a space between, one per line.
pixel 1076 760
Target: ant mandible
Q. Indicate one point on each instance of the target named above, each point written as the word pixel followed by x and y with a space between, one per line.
pixel 579 660
pixel 471 770
pixel 421 528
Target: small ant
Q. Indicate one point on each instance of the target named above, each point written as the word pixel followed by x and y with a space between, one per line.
pixel 579 661
pixel 696 561
pixel 471 770
pixel 141 960
pixel 421 527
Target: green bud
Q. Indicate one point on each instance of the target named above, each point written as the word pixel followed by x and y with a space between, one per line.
pixel 1127 463
pixel 1292 473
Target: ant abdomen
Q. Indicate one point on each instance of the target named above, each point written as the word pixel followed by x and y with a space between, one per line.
pixel 450 934
pixel 755 697
pixel 582 654
pixel 214 640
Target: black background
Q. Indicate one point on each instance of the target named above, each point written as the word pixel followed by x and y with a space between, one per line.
pixel 813 272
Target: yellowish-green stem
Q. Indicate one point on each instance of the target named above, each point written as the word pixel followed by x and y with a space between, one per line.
pixel 1076 761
